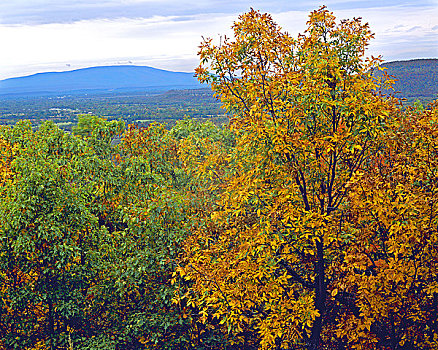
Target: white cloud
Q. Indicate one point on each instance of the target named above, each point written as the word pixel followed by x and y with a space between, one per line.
pixel 158 39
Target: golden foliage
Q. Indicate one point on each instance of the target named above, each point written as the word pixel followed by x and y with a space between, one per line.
pixel 392 265
pixel 285 253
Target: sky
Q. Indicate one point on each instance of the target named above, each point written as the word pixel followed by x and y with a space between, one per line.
pixel 58 35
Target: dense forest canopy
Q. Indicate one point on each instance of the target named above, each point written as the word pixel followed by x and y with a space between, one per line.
pixel 309 221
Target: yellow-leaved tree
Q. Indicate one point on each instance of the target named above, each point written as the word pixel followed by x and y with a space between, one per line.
pixel 307 115
pixel 390 269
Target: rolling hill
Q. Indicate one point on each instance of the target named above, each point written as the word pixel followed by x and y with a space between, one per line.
pixel 415 79
pixel 98 80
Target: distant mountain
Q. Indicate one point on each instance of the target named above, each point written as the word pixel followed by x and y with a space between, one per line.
pixel 416 79
pixel 97 80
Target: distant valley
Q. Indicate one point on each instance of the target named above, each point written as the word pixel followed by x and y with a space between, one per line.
pixel 143 94
pixel 415 79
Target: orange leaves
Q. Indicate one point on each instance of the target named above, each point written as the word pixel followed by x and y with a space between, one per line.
pixel 6 157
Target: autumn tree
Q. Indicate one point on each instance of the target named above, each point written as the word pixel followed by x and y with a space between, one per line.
pixel 306 113
pixel 6 154
pixel 390 269
pixel 89 234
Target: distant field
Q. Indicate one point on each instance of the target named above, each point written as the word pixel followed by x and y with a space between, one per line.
pixel 139 108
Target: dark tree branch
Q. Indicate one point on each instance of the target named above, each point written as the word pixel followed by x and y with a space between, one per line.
pixel 295 275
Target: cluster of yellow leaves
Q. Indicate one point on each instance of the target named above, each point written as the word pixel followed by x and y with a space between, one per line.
pixel 392 265
pixel 325 226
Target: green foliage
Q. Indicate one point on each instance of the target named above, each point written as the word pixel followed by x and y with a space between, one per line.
pixel 90 233
pixel 43 216
pixel 98 132
pixel 309 222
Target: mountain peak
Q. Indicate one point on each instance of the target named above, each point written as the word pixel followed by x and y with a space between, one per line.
pixel 98 79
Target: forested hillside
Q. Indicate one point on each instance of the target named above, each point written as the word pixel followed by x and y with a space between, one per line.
pixel 415 79
pixel 309 221
pixel 134 108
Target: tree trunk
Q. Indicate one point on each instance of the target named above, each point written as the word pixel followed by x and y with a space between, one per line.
pixel 320 297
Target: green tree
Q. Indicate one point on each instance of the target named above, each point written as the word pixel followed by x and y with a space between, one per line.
pixel 44 218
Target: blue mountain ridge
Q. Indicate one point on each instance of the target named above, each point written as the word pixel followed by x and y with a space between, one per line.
pixel 414 79
pixel 98 79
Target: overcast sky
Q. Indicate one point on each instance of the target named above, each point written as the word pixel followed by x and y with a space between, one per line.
pixel 56 35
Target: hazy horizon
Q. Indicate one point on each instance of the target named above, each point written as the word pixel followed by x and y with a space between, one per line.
pixel 58 35
pixel 174 71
